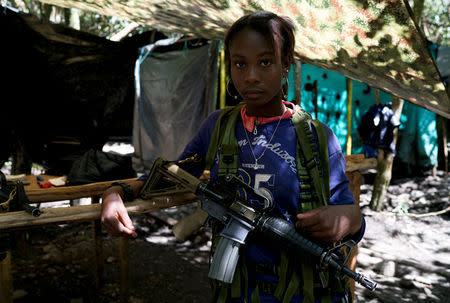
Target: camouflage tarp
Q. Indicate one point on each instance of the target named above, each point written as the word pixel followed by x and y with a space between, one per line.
pixel 373 41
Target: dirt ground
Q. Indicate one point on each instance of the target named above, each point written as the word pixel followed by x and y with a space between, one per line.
pixel 408 255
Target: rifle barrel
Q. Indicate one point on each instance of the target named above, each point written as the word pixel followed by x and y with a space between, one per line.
pixel 282 231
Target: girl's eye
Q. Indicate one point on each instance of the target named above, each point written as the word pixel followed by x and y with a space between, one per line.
pixel 239 64
pixel 265 63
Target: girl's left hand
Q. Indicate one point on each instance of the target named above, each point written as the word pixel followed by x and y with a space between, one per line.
pixel 331 223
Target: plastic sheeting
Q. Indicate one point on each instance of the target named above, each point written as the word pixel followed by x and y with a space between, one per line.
pixel 171 100
pixel 417 144
pixel 332 101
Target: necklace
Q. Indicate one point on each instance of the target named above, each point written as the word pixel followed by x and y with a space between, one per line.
pixel 255 166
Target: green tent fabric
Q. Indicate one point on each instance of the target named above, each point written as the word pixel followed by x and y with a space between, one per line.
pixel 332 101
pixel 374 41
pixel 417 144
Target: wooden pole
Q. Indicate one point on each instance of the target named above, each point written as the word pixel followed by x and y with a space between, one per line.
pixel 223 89
pixel 442 142
pixel 377 96
pixel 298 83
pixel 124 248
pixel 6 283
pixel 355 178
pixel 209 64
pixel 349 85
pixel 22 219
pixel 69 192
pixel 98 246
pixel 314 99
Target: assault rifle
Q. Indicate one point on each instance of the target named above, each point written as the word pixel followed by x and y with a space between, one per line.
pixel 220 200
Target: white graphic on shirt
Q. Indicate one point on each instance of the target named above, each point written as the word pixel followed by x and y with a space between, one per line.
pixel 273 147
pixel 287 215
pixel 254 166
pixel 268 179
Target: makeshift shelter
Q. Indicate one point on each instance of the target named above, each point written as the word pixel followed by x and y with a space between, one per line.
pixel 375 42
pixel 64 91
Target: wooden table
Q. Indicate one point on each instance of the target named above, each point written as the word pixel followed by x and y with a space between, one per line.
pixel 22 220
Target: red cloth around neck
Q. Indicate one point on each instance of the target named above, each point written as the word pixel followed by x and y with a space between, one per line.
pixel 250 121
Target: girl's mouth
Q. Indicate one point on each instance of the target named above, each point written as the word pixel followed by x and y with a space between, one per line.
pixel 253 93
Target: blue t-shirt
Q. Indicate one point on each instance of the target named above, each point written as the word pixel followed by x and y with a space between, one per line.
pixel 276 174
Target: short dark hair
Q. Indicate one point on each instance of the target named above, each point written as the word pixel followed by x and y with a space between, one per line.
pixel 264 23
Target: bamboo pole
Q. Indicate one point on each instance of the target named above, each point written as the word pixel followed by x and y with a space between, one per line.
pixel 209 68
pixel 124 248
pixel 377 96
pixel 22 219
pixel 69 192
pixel 349 85
pixel 355 178
pixel 98 247
pixel 314 99
pixel 223 89
pixel 6 283
pixel 298 83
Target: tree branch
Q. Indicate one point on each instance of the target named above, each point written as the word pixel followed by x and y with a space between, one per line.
pixel 123 33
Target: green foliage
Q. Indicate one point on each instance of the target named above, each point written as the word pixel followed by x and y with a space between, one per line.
pixel 435 21
pixel 93 23
pixel 103 26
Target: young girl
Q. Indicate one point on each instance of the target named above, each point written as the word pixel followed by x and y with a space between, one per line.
pixel 259 50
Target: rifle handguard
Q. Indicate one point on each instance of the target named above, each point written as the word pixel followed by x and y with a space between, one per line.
pixel 285 233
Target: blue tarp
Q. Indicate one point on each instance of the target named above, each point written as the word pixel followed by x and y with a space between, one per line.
pixel 417 133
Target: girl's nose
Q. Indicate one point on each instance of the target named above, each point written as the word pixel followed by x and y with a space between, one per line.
pixel 252 74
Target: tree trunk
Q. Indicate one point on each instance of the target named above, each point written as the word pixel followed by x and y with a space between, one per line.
pixel 21 160
pixel 384 167
pixel 442 143
pixel 418 9
pixel 46 11
pixel 382 179
pixel 75 18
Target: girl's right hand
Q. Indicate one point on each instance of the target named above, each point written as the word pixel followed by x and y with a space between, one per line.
pixel 115 217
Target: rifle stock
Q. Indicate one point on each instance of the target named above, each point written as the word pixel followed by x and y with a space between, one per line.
pixel 190 224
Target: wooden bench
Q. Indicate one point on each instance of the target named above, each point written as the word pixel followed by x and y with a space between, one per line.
pixel 22 220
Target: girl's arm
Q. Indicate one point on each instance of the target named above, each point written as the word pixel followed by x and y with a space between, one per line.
pixel 341 217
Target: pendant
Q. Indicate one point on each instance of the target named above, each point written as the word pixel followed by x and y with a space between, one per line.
pixel 255 130
pixel 255 167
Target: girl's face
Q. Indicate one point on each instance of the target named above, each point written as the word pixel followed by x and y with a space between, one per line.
pixel 256 71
